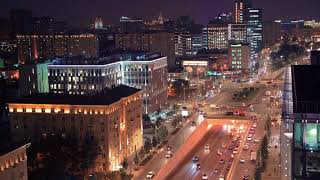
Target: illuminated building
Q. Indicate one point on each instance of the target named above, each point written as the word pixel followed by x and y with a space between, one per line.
pixel 147 71
pixel 182 43
pixel 33 79
pixel 31 48
pixel 196 43
pixel 254 33
pixel 111 118
pixel 216 36
pixel 240 7
pixel 98 23
pixel 271 33
pixel 13 164
pixel 131 25
pixel 151 41
pixel 239 55
pixel 305 153
pixel 237 32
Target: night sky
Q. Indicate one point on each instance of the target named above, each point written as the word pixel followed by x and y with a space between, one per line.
pixel 82 12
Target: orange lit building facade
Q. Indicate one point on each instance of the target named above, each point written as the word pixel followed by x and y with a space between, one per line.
pixel 114 124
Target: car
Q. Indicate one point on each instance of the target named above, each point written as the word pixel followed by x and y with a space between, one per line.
pixel 150 175
pixel 223 146
pixel 230 161
pixel 245 147
pixel 169 154
pixel 234 152
pixel 204 115
pixel 221 161
pixel 168 148
pixel 193 123
pixel 229 113
pixel 232 156
pixel 198 166
pixel 195 159
pixel 219 152
pixel 207 147
pixel 256 141
pixel 242 160
pixel 254 125
pixel 245 177
pixel 221 177
pixel 249 138
pixel 230 147
pixel 269 145
pixel 250 135
pixel 216 171
pixel 204 176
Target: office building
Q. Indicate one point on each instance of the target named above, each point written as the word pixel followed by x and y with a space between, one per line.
pixel 151 41
pixel 182 43
pixel 237 32
pixel 13 164
pixel 146 71
pixel 306 129
pixel 216 36
pixel 271 33
pixel 111 118
pixel 240 7
pixel 196 43
pixel 32 48
pixel 239 56
pixel 254 33
pixel 33 78
pixel 128 25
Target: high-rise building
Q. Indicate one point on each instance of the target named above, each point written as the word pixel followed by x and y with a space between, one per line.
pixel 254 33
pixel 239 56
pixel 182 43
pixel 237 32
pixel 271 33
pixel 240 7
pixel 305 142
pixel 147 71
pixel 98 23
pixel 196 43
pixel 33 78
pixel 13 164
pixel 131 25
pixel 216 36
pixel 31 48
pixel 111 120
pixel 151 41
pixel 43 25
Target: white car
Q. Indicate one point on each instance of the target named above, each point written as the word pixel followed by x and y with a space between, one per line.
pixel 254 125
pixel 242 160
pixel 234 152
pixel 221 177
pixel 249 138
pixel 246 147
pixel 207 147
pixel 150 175
pixel 169 154
pixel 204 176
pixel 256 141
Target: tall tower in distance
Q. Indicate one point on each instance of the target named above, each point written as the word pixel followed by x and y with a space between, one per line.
pixel 98 23
pixel 240 7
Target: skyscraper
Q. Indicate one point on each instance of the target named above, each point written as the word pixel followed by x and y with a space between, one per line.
pixel 240 7
pixel 254 32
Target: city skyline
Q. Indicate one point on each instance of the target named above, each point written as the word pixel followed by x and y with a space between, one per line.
pixel 201 11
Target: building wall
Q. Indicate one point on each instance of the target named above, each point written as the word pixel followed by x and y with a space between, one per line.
pixel 239 56
pixel 34 47
pixel 149 41
pixel 271 33
pixel 13 165
pixel 217 36
pixel 117 128
pixel 182 43
pixel 148 75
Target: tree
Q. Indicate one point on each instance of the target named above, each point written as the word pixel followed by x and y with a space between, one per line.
pixel 146 118
pixel 158 122
pixel 147 145
pixel 154 141
pixel 162 133
pixel 141 153
pixel 125 163
pixel 136 159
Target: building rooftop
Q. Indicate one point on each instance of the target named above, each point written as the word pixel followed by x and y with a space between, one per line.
pixel 305 86
pixel 125 56
pixel 105 97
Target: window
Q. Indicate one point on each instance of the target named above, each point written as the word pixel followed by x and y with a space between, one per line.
pixel 43 110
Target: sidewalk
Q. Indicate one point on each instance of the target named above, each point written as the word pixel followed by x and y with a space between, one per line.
pixel 272 171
